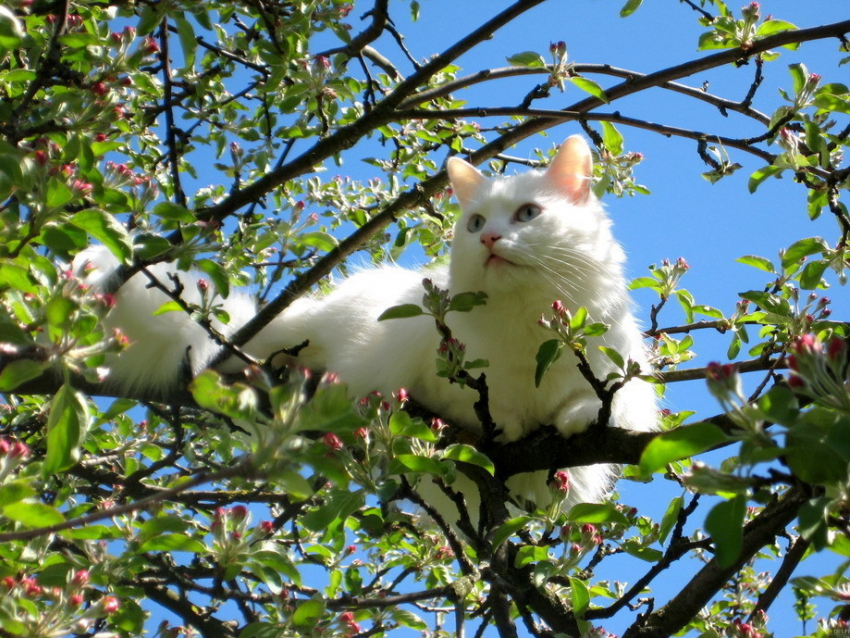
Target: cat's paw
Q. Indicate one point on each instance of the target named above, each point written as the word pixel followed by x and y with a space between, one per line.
pixel 576 418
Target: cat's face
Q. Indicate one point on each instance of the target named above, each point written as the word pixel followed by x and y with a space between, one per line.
pixel 536 231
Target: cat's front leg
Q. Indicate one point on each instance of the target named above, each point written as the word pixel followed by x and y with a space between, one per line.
pixel 577 415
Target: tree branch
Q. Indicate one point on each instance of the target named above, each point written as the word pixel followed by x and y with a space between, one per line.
pixel 698 592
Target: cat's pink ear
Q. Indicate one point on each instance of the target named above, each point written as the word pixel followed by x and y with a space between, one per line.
pixel 466 180
pixel 572 169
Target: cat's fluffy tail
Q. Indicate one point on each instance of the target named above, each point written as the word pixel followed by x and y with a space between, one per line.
pixel 163 348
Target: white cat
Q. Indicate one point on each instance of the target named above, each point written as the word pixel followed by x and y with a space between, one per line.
pixel 525 240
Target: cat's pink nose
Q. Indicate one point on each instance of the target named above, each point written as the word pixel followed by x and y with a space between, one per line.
pixel 489 238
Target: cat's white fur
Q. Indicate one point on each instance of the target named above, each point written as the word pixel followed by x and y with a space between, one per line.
pixel 567 252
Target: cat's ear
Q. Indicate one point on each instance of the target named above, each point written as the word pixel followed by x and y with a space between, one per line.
pixel 466 180
pixel 572 169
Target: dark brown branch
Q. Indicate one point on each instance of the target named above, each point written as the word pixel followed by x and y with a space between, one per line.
pixel 574 115
pixel 581 69
pixel 780 579
pixel 171 140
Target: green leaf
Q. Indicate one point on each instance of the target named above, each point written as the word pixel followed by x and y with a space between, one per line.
pixel 812 457
pixel 589 86
pixel 630 7
pixel 762 263
pixel 217 274
pixel 767 301
pixel 612 138
pixel 319 240
pixel 295 486
pixel 580 596
pixel 11 31
pixel 168 306
pixel 58 194
pixel 813 521
pixel 615 356
pixel 308 613
pixel 645 282
pixel 548 353
pixel 188 42
pixel 149 246
pixel 528 59
pixel 678 444
pixel 770 27
pixel 803 248
pixel 812 274
pixel 14 492
pixel 339 505
pixel 67 424
pixel 109 231
pixel 466 301
pixel 468 454
pixel 19 372
pixel 725 525
pixel 530 554
pixel 417 463
pixel 402 425
pixel 172 543
pixel 761 175
pixel 33 514
pixel 173 212
pixel 671 517
pixel 508 529
pixel 780 405
pixel 596 513
pixel 402 311
pixel 408 619
pixel 799 76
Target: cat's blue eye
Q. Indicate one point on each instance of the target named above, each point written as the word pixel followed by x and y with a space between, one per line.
pixel 527 212
pixel 475 223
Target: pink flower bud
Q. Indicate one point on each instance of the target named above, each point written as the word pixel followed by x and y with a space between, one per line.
pixel 99 89
pixel 720 372
pixel 81 578
pixel 796 382
pixel 361 433
pixel 239 512
pixel 807 344
pixel 835 348
pixel 110 605
pixel 561 481
pixel 588 529
pixel 203 285
pixel 267 527
pixel 9 582
pixel 150 46
pixel 41 158
pixel 333 441
pixel 438 425
pixel 5 446
pixel 19 450
pixel 75 600
pixel 402 396
pixel 558 307
pixel 323 61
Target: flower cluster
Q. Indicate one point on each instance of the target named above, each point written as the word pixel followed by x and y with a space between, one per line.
pixel 64 610
pixel 819 370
